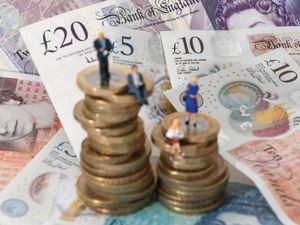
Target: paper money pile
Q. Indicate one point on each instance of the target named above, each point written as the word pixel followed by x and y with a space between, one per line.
pixel 194 181
pixel 257 102
pixel 117 177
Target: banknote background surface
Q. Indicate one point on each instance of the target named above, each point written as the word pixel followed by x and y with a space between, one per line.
pixel 16 90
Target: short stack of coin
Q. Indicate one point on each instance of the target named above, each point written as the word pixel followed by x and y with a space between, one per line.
pixel 194 181
pixel 117 177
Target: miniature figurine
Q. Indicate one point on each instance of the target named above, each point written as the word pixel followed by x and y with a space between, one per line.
pixel 191 103
pixel 103 47
pixel 136 86
pixel 175 134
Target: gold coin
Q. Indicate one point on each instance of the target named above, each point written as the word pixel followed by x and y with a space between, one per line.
pixel 129 188
pixel 105 181
pixel 188 150
pixel 119 130
pixel 213 177
pixel 189 164
pixel 184 175
pixel 108 121
pixel 101 106
pixel 137 162
pixel 197 210
pixel 198 197
pixel 88 82
pixel 94 200
pixel 125 144
pixel 207 128
pixel 128 197
pixel 94 158
pixel 186 190
pixel 125 209
pixel 112 117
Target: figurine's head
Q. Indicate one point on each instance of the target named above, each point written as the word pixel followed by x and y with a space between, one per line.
pixel 176 124
pixel 100 35
pixel 194 81
pixel 134 69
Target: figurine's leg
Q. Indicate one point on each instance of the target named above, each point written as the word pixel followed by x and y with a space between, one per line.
pixel 194 118
pixel 107 74
pixel 145 95
pixel 102 73
pixel 187 120
pixel 137 95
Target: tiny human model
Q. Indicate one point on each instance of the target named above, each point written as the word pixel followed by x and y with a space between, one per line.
pixel 175 134
pixel 103 47
pixel 191 103
pixel 136 86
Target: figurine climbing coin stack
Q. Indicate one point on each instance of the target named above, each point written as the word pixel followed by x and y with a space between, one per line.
pixel 192 175
pixel 117 177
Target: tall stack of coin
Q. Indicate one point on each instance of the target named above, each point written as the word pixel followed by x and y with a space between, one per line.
pixel 117 177
pixel 195 180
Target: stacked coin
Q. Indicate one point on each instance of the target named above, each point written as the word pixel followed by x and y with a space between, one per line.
pixel 117 177
pixel 195 180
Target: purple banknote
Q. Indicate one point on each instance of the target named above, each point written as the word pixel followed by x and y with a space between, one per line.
pixel 237 14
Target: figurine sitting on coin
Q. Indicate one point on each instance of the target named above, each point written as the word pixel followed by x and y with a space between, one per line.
pixel 175 134
pixel 191 103
pixel 103 47
pixel 136 86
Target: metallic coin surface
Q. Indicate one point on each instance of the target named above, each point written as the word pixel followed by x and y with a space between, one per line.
pixel 95 201
pixel 188 150
pixel 119 130
pixel 138 161
pixel 123 189
pixel 97 105
pixel 213 205
pixel 94 158
pixel 184 175
pixel 207 128
pixel 105 181
pixel 88 82
pixel 189 164
pixel 213 177
pixel 113 117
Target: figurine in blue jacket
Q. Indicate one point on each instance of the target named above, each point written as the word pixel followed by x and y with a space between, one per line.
pixel 103 47
pixel 191 102
pixel 136 86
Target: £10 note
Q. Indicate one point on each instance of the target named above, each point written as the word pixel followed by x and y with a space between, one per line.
pixel 252 101
pixel 201 53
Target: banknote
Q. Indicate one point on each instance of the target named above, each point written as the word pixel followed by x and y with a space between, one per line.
pixel 16 14
pixel 5 63
pixel 253 101
pixel 275 163
pixel 27 123
pixel 44 193
pixel 60 68
pixel 200 53
pixel 232 14
pixel 27 199
pixel 153 15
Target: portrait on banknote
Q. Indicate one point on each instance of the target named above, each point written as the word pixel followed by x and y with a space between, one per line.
pixel 232 14
pixel 27 122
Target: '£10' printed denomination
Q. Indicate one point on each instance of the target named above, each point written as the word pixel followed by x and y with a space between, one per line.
pixel 253 102
pixel 201 53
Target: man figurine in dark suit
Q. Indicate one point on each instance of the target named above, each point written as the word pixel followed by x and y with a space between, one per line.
pixel 103 47
pixel 136 86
